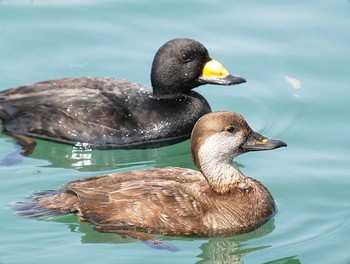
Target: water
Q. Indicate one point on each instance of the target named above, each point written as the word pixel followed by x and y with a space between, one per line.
pixel 273 44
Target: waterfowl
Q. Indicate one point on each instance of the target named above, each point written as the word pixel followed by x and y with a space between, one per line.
pixel 112 113
pixel 217 200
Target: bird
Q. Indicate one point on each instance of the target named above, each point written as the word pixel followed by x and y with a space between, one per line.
pixel 214 201
pixel 108 113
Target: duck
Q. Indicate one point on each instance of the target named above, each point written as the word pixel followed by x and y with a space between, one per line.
pixel 108 113
pixel 215 200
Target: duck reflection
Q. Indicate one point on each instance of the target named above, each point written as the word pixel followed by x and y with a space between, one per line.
pixel 231 250
pixel 213 250
pixel 82 158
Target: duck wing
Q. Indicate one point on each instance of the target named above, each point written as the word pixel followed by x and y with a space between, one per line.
pixel 90 110
pixel 168 201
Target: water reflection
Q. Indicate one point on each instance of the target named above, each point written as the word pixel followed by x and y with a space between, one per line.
pixel 231 250
pixel 213 250
pixel 225 251
pixel 286 260
pixel 82 158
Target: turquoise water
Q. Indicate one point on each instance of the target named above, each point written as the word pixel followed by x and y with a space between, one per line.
pixel 295 56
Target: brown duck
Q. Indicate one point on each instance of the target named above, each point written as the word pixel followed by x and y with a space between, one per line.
pixel 218 200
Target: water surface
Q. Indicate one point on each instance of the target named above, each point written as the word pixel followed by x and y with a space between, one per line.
pixel 295 56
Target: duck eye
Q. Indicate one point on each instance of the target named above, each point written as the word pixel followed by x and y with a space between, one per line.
pixel 230 129
pixel 185 58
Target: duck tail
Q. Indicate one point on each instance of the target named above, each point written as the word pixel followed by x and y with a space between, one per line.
pixel 44 203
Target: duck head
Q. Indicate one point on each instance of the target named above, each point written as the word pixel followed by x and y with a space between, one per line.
pixel 183 64
pixel 216 139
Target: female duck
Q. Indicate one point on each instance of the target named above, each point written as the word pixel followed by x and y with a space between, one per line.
pixel 111 113
pixel 217 201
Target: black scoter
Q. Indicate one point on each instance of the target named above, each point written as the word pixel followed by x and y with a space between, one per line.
pixel 109 113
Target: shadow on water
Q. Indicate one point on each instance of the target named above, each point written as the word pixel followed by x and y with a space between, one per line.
pixel 286 260
pixel 213 250
pixel 83 158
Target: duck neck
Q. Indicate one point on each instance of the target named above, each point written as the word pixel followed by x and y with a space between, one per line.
pixel 218 169
pixel 169 92
pixel 222 178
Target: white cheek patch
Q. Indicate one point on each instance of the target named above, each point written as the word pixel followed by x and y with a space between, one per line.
pixel 221 146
